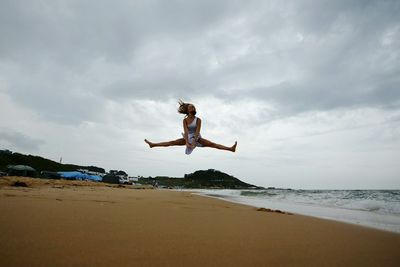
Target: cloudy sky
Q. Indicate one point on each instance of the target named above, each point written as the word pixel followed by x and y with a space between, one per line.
pixel 309 89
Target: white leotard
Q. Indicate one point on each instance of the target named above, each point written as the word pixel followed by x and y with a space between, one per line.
pixel 192 126
pixel 191 133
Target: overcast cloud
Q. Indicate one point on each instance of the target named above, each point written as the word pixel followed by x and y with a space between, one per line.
pixel 309 89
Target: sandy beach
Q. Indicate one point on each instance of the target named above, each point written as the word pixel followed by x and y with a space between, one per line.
pixel 71 223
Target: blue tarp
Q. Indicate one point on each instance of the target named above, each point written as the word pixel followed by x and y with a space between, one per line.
pixel 79 176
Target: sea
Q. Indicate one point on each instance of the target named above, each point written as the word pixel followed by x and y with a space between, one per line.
pixel 372 208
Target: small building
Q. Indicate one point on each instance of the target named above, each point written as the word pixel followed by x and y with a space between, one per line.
pixel 111 179
pixel 21 170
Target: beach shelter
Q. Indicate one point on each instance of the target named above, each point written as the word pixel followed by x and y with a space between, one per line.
pixel 21 170
pixel 111 179
pixel 75 175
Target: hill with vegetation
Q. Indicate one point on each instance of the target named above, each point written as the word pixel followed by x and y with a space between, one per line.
pixel 200 179
pixel 38 163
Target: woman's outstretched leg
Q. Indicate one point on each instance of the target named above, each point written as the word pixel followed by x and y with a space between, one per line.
pixel 207 143
pixel 177 142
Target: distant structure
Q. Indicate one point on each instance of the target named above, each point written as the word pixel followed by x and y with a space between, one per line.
pixel 86 171
pixel 120 174
pixel 21 170
pixel 6 151
pixel 121 177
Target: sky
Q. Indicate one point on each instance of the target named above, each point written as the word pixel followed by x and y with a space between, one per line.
pixel 309 89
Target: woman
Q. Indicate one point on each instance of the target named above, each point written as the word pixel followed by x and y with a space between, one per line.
pixel 191 136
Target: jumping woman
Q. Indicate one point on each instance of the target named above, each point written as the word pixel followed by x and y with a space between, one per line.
pixel 191 136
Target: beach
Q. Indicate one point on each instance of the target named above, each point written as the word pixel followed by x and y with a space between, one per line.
pixel 72 223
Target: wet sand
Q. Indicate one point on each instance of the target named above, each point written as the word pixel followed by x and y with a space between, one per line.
pixel 65 223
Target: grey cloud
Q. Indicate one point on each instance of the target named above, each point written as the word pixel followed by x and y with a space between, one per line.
pixel 340 60
pixel 53 45
pixel 164 85
pixel 76 32
pixel 326 93
pixel 323 17
pixel 66 33
pixel 342 64
pixel 166 88
pixel 19 140
pixel 51 94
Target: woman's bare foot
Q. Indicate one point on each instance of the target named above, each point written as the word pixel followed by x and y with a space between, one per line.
pixel 233 148
pixel 149 143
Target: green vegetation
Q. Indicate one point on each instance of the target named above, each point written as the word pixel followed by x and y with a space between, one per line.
pixel 200 179
pixel 39 163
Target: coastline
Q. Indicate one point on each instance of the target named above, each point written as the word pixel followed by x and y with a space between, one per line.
pixel 74 224
pixel 386 222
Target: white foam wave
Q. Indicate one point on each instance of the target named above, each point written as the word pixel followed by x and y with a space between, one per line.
pixel 378 209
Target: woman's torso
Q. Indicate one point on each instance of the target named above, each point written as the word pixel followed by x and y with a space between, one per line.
pixel 192 125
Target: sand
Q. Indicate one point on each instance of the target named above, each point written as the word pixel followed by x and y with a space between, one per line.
pixel 59 223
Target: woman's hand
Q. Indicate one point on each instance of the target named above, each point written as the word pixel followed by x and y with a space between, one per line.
pixel 191 145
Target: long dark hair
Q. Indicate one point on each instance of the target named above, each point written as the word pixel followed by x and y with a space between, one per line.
pixel 183 108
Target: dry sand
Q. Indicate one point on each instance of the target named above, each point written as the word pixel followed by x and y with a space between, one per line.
pixel 60 223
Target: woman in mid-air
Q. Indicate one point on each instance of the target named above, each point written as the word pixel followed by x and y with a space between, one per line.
pixel 191 136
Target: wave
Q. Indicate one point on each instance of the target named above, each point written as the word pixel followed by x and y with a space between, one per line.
pixel 381 201
pixel 374 208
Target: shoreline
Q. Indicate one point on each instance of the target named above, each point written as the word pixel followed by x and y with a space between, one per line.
pixel 320 212
pixel 86 225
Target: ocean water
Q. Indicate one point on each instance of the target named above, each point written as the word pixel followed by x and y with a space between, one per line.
pixel 373 208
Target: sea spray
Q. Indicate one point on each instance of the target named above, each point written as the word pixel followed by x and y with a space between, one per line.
pixel 374 208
